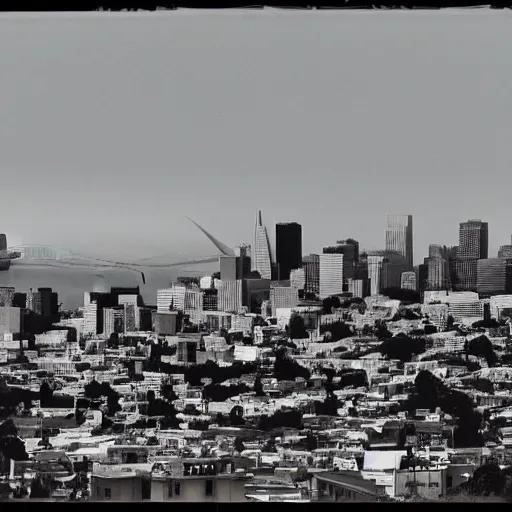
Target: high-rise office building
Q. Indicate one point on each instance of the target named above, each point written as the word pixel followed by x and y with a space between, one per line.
pixel 505 251
pixel 297 279
pixel 229 296
pixel 399 237
pixel 473 246
pixel 288 248
pixel 439 267
pixel 227 268
pixel 210 299
pixel 3 242
pixel 261 260
pixel 473 240
pixel 243 261
pixel 10 320
pixel 408 280
pixel 494 276
pixel 331 275
pixel 6 296
pixel 350 250
pixel 311 265
pixel 113 320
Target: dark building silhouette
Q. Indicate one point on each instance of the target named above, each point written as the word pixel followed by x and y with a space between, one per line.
pixel 116 291
pixel 350 250
pixel 146 318
pixel 423 276
pixel 243 261
pixel 3 242
pixel 288 248
pixel 103 300
pixel 19 300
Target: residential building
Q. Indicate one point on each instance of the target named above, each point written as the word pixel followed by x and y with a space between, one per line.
pixel 203 480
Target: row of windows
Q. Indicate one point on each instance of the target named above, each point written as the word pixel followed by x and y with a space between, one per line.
pixel 175 488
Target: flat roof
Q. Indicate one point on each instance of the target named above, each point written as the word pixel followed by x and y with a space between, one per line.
pixel 349 479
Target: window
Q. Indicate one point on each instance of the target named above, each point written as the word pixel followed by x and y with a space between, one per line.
pixel 449 481
pixel 108 493
pixel 433 484
pixel 170 494
pixel 208 488
pixel 146 489
pixel 177 488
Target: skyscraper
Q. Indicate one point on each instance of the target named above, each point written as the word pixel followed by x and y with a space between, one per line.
pixel 3 242
pixel 350 250
pixel 399 237
pixel 288 248
pixel 473 240
pixel 473 246
pixel 227 268
pixel 331 275
pixel 311 265
pixel 261 261
pixel 243 261
pixel 494 276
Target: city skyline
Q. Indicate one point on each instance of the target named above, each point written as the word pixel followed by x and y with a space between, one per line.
pixel 157 141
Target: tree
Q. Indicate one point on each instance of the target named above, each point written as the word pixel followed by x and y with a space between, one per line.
pixel 11 446
pixel 484 385
pixel 338 330
pixel 301 474
pixel 168 392
pixel 296 328
pixel 239 445
pixel 330 303
pixel 430 392
pixel 482 347
pixel 402 347
pixel 287 369
pixel 406 296
pixel 382 332
pixel 46 394
pixel 258 387
pixel 93 389
pixel 311 442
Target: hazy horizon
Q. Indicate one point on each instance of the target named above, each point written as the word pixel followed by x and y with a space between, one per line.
pixel 116 126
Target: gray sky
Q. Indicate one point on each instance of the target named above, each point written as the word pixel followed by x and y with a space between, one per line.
pixel 114 127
